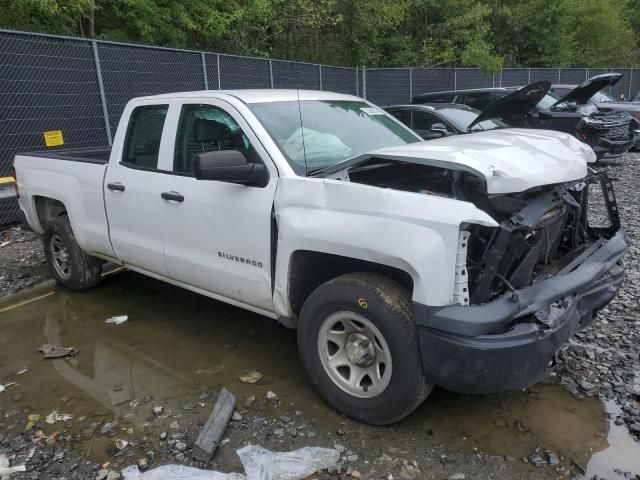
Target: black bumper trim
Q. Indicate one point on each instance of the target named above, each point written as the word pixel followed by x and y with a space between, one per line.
pixel 509 355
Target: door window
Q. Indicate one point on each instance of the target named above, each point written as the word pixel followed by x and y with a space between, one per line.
pixel 403 115
pixel 481 100
pixel 142 142
pixel 423 121
pixel 205 128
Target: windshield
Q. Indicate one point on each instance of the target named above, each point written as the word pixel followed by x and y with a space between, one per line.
pixel 461 118
pixel 548 100
pixel 314 134
pixel 601 97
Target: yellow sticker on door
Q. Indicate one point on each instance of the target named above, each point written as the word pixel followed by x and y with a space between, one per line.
pixel 53 138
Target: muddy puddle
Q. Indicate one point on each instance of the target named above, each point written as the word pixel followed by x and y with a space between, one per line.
pixel 177 348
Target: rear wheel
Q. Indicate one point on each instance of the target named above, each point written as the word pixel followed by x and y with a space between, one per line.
pixel 69 265
pixel 360 348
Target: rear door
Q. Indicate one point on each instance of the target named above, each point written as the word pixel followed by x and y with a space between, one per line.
pixel 131 189
pixel 217 235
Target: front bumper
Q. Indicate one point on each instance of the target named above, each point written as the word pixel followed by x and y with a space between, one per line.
pixel 605 147
pixel 510 343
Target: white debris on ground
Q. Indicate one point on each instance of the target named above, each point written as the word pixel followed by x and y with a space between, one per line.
pixel 259 464
pixel 5 470
pixel 117 320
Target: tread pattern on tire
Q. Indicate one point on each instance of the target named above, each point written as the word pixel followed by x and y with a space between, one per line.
pixel 398 300
pixel 88 270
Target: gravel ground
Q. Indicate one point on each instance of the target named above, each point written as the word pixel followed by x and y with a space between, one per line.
pixel 602 360
pixel 22 260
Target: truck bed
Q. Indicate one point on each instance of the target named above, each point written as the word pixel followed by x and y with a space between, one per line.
pixel 98 155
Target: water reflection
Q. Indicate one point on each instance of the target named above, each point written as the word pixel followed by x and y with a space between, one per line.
pixel 177 344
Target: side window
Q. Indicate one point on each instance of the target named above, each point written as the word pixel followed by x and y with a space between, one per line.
pixel 204 128
pixel 442 99
pixel 424 120
pixel 144 132
pixel 403 115
pixel 480 100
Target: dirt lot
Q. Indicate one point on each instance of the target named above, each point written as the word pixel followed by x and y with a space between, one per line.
pixel 178 349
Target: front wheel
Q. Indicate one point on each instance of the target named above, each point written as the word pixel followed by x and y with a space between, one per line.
pixel 359 346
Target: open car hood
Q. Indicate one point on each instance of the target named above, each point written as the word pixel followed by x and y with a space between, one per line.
pixel 509 160
pixel 518 102
pixel 587 89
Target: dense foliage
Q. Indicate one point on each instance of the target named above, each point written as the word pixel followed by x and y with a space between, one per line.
pixel 484 33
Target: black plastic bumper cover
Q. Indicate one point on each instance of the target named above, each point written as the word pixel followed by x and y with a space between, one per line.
pixel 608 147
pixel 510 343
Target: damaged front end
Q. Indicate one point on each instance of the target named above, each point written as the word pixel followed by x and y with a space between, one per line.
pixel 610 134
pixel 528 285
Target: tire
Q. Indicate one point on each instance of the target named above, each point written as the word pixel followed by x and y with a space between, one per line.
pixel 382 307
pixel 69 265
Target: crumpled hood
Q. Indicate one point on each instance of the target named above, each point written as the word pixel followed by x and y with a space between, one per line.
pixel 511 160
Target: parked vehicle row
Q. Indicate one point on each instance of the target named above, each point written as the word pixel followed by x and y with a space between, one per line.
pixel 465 261
pixel 609 131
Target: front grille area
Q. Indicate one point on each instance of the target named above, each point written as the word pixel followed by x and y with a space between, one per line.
pixel 538 240
pixel 619 132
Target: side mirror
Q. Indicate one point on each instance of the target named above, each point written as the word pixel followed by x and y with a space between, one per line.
pixel 229 166
pixel 440 129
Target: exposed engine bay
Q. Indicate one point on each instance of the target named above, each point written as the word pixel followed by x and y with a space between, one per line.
pixel 541 230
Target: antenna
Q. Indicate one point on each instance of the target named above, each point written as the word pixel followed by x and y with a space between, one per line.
pixel 304 148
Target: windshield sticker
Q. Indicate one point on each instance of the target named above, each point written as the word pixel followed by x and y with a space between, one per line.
pixel 372 111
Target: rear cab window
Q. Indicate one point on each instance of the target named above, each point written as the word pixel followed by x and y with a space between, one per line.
pixel 143 137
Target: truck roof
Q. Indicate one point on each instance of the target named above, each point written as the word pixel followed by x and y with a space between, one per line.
pixel 259 95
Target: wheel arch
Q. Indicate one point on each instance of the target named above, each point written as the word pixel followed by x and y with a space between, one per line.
pixel 309 269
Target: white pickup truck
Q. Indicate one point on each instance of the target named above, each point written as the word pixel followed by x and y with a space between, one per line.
pixel 464 262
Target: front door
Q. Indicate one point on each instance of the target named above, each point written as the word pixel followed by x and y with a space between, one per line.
pixel 131 192
pixel 217 235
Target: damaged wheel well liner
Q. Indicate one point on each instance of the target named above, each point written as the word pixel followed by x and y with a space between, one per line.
pixel 308 270
pixel 48 209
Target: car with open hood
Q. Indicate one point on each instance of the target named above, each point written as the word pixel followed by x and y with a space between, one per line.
pixel 533 106
pixel 465 261
pixel 441 119
pixel 587 94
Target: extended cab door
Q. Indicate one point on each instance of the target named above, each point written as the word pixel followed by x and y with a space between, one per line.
pixel 217 235
pixel 132 189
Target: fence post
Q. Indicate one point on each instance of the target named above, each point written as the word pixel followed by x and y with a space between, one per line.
pixel 364 82
pixel 320 75
pixel 559 74
pixel 500 81
pixel 103 100
pixel 218 64
pixel 529 80
pixel 204 71
pixel 410 84
pixel 357 82
pixel 271 72
pixel 630 82
pixel 455 79
pixel 586 74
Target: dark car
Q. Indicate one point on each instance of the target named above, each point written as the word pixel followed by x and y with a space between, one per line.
pixel 605 102
pixel 441 119
pixel 608 133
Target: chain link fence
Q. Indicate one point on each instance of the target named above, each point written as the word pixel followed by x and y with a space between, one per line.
pixel 392 86
pixel 80 86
